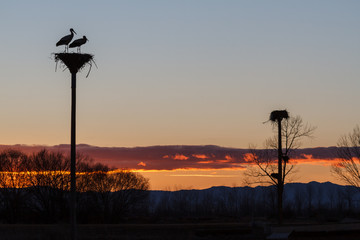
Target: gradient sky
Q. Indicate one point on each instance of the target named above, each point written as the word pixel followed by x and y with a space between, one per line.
pixel 180 72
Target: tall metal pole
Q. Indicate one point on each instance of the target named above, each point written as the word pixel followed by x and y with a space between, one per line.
pixel 74 62
pixel 280 177
pixel 73 158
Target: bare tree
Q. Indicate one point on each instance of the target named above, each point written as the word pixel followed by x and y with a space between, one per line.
pixel 347 168
pixel 264 161
pixel 49 181
pixel 113 193
pixel 13 179
pixel 271 165
pixel 86 168
pixel 39 185
pixel 130 190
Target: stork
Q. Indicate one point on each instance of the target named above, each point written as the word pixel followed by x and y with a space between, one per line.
pixel 78 42
pixel 66 40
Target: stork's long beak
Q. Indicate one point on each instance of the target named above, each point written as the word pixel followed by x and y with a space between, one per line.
pixel 74 31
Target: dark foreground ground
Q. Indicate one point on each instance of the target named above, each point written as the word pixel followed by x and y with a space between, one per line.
pixel 211 231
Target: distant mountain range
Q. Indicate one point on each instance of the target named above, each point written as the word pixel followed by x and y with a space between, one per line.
pixel 298 197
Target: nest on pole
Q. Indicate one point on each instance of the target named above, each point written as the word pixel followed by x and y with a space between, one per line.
pixel 278 115
pixel 75 61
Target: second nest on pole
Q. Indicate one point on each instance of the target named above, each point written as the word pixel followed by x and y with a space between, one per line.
pixel 278 115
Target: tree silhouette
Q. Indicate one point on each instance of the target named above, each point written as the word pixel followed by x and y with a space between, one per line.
pixel 112 194
pixel 13 179
pixel 36 188
pixel 49 181
pixel 272 165
pixel 348 152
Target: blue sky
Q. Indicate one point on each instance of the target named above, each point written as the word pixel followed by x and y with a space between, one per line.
pixel 180 72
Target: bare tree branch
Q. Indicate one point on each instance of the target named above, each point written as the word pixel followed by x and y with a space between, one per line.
pixel 265 161
pixel 348 152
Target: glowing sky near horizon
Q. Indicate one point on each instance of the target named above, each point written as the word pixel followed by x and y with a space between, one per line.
pixel 306 170
pixel 201 179
pixel 197 167
pixel 180 72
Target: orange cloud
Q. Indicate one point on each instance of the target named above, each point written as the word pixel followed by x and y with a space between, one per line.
pixel 321 162
pixel 309 159
pixel 223 161
pixel 233 168
pixel 180 157
pixel 227 157
pixel 204 175
pixel 205 162
pixel 248 157
pixel 307 156
pixel 200 156
pixel 142 164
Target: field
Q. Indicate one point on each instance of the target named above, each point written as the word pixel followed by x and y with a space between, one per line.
pixel 187 231
pixel 131 231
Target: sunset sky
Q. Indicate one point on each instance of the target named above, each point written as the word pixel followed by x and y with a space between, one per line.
pixel 183 72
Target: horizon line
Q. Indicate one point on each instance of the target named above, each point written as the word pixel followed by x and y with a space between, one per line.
pixel 148 146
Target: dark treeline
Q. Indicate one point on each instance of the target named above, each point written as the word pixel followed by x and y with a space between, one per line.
pixel 317 201
pixel 35 189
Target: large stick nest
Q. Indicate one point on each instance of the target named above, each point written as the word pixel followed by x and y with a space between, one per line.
pixel 279 115
pixel 75 61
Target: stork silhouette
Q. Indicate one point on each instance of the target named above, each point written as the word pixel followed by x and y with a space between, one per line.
pixel 66 40
pixel 78 42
